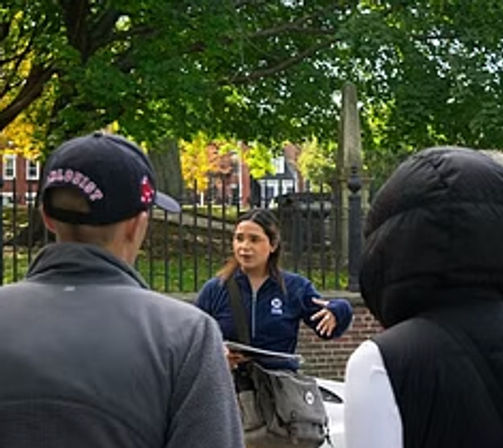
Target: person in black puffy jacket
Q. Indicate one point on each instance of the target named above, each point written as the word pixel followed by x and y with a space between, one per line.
pixel 432 275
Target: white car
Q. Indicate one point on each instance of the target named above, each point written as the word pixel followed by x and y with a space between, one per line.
pixel 333 398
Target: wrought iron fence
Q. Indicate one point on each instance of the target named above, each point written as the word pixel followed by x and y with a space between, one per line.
pixel 182 251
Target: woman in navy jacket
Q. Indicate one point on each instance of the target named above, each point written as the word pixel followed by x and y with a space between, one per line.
pixel 275 300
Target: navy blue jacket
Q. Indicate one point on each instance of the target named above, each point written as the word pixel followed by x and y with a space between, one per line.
pixel 274 316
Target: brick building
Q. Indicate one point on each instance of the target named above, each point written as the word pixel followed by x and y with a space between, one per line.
pixel 232 182
pixel 20 178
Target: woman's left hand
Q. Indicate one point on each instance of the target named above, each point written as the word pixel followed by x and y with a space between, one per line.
pixel 327 321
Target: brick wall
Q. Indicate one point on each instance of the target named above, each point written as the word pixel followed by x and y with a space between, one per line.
pixel 328 359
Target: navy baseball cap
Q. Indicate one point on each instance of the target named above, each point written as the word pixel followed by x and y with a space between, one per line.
pixel 113 174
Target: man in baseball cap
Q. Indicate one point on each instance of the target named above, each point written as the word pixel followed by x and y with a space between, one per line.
pixel 90 356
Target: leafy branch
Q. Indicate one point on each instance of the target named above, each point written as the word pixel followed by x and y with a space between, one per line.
pixel 283 65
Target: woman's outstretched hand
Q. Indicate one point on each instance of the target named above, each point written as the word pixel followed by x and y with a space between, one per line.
pixel 327 321
pixel 234 358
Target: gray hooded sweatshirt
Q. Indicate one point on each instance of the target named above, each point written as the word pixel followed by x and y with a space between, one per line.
pixel 89 357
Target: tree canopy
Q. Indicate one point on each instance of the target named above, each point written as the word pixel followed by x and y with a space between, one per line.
pixel 317 162
pixel 427 72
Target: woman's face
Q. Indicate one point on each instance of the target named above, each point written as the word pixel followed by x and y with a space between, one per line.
pixel 251 247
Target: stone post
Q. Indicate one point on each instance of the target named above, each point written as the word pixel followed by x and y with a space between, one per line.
pixel 348 156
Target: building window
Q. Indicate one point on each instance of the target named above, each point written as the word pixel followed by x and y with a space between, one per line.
pixel 268 191
pixel 9 166
pixel 32 170
pixel 30 197
pixel 234 194
pixel 7 199
pixel 287 186
pixel 279 164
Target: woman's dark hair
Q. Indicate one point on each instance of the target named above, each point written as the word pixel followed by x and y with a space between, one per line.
pixel 270 225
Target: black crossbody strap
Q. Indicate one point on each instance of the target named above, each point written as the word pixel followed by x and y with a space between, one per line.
pixel 238 311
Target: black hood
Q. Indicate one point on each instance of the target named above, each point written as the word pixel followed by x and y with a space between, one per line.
pixel 435 226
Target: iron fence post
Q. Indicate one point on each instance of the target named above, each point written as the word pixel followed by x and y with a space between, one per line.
pixel 354 229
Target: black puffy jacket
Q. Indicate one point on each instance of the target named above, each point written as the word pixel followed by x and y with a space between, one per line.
pixel 437 223
pixel 432 274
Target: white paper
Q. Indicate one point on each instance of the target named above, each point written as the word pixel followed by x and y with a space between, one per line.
pixel 250 351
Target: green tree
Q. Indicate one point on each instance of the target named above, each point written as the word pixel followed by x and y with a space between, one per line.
pixel 426 71
pixel 203 156
pixel 198 159
pixel 258 158
pixel 317 162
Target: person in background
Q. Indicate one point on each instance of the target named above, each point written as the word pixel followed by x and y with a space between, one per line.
pixel 275 300
pixel 90 357
pixel 432 275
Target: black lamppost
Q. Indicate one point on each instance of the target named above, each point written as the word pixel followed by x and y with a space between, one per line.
pixel 354 229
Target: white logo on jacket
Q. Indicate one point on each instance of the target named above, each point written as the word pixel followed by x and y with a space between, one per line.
pixel 276 306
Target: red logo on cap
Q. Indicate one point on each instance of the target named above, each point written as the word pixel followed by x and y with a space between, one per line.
pixel 147 191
